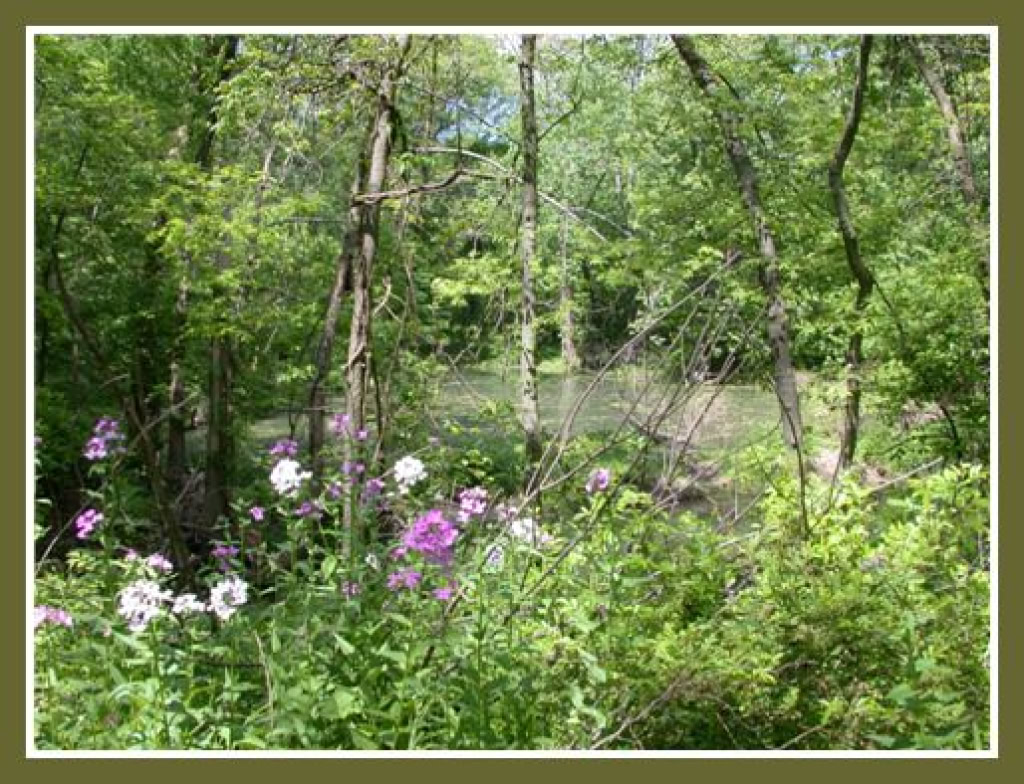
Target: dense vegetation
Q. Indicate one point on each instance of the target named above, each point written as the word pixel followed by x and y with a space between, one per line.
pixel 263 263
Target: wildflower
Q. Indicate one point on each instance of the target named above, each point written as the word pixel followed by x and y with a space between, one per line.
pixel 286 447
pixel 340 423
pixel 432 536
pixel 86 522
pixel 371 561
pixel 528 531
pixel 472 503
pixel 372 489
pixel 444 593
pixel 598 481
pixel 334 491
pixel 45 614
pixel 95 449
pixel 362 435
pixel 186 604
pixel 130 554
pixel 224 552
pixel 404 578
pixel 308 509
pixel 358 468
pixel 409 471
pixel 287 477
pixel 495 556
pixel 159 562
pixel 227 596
pixel 350 590
pixel 140 602
pixel 257 513
pixel 105 431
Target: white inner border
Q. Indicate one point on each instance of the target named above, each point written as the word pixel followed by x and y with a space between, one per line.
pixel 991 31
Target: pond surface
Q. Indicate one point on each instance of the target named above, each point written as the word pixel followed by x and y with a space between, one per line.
pixel 722 416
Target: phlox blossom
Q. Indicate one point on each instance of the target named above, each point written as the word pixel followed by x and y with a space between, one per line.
pixel 598 480
pixel 227 596
pixel 86 522
pixel 408 471
pixel 287 477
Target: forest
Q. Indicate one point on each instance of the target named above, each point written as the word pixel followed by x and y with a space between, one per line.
pixel 511 392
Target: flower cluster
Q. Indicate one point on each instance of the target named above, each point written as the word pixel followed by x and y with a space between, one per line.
pixel 285 447
pixel 527 530
pixel 287 477
pixel 341 426
pixel 408 471
pixel 404 578
pixel 86 522
pixel 45 614
pixel 227 596
pixel 104 433
pixel 598 480
pixel 143 600
pixel 472 503
pixel 140 602
pixel 350 590
pixel 432 536
pixel 160 563
pixel 224 553
pixel 257 513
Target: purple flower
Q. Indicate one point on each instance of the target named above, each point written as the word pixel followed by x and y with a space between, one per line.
pixel 432 536
pixel 362 435
pixel 157 561
pixel 224 552
pixel 404 578
pixel 257 513
pixel 358 468
pixel 334 491
pixel 105 431
pixel 350 590
pixel 340 423
pixel 445 592
pixel 130 554
pixel 307 509
pixel 598 481
pixel 44 614
pixel 286 447
pixel 86 522
pixel 95 449
pixel 472 503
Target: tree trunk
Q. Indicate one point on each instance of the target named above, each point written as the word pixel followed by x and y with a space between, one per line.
pixel 746 174
pixel 528 358
pixel 219 436
pixel 358 364
pixel 860 272
pixel 325 349
pixel 958 147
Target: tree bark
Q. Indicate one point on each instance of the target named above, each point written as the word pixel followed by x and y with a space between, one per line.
pixel 957 145
pixel 859 270
pixel 357 367
pixel 570 355
pixel 528 358
pixel 777 326
pixel 219 436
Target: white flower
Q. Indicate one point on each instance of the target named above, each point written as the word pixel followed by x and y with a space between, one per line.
pixel 371 561
pixel 140 602
pixel 526 529
pixel 409 471
pixel 187 604
pixel 286 477
pixel 227 596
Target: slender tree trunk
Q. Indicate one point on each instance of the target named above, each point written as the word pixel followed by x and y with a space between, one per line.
pixel 357 367
pixel 528 358
pixel 325 349
pixel 860 272
pixel 219 436
pixel 957 145
pixel 746 174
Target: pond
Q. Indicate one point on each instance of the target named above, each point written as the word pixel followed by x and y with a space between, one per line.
pixel 726 416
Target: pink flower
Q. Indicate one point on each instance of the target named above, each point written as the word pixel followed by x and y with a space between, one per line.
pixel 86 522
pixel 257 513
pixel 404 578
pixel 598 481
pixel 157 561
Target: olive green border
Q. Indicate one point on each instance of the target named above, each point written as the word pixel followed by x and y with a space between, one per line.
pixel 17 14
